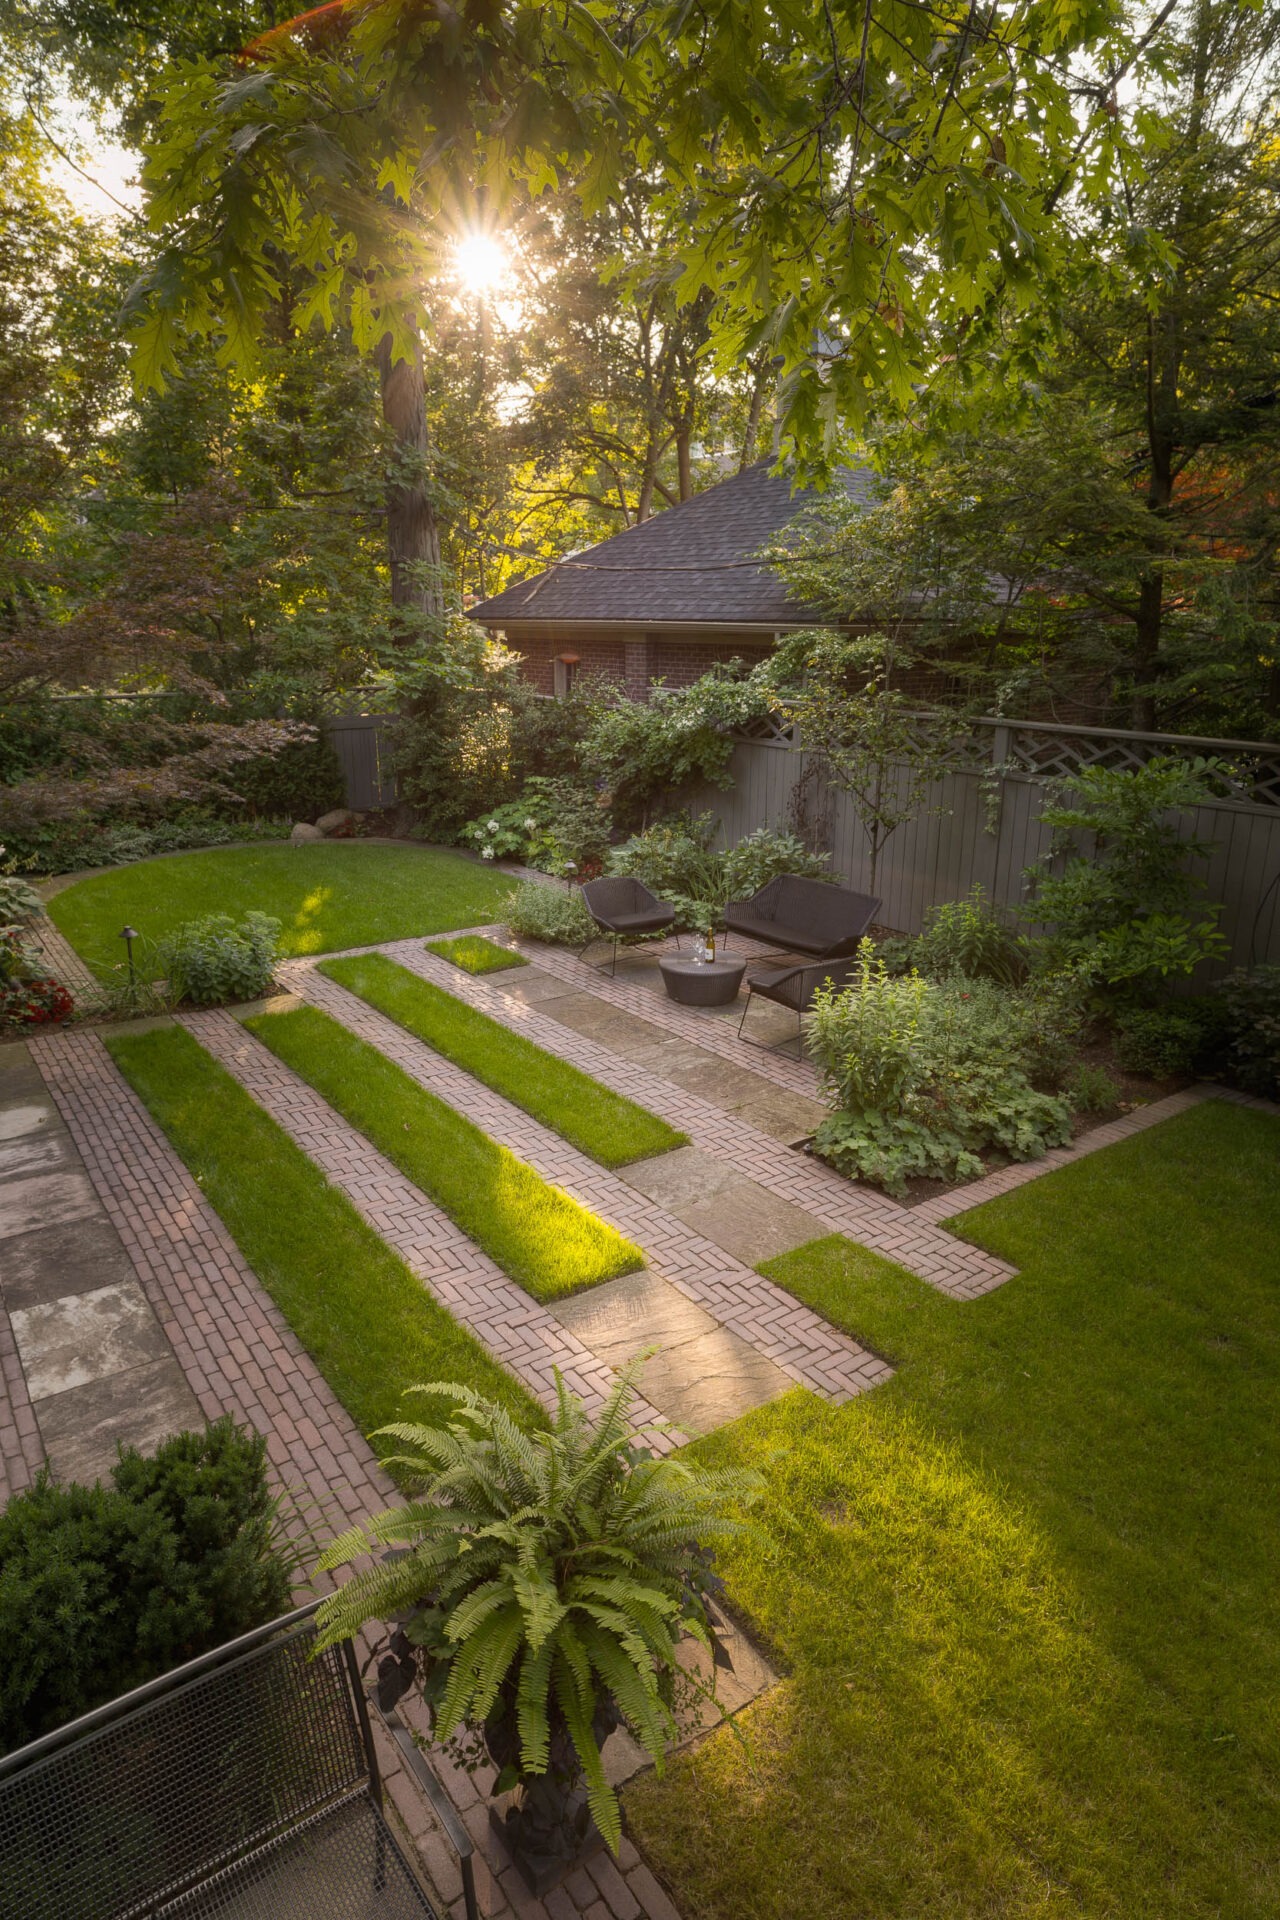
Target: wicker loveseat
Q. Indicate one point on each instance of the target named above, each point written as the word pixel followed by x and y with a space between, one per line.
pixel 803 916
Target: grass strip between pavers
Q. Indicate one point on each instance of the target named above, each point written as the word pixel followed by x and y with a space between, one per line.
pixel 474 954
pixel 537 1234
pixel 613 1130
pixel 366 1319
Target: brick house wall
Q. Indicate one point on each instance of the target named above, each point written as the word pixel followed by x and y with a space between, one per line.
pixel 633 662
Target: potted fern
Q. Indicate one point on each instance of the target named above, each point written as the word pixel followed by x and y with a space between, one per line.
pixel 542 1582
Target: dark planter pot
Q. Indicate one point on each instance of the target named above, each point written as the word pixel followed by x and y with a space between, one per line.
pixel 548 1829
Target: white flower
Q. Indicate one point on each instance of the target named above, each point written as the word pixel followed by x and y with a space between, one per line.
pixel 493 826
pixel 530 826
pixel 486 853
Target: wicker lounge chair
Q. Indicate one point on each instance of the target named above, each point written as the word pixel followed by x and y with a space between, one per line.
pixel 793 987
pixel 621 905
pixel 803 916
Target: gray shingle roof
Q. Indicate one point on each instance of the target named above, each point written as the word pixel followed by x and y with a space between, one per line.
pixel 671 570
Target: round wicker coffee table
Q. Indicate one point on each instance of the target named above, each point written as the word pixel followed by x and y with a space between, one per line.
pixel 702 983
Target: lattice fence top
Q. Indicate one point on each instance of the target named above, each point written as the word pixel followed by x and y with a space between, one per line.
pixel 1046 752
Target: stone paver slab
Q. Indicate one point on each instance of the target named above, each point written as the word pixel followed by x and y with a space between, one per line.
pixel 785 1117
pixel 44 1200
pixel 23 1117
pixel 681 1177
pixel 83 1428
pixel 751 1223
pixel 701 1375
pixel 86 1336
pixel 49 1151
pixel 533 986
pixel 54 1261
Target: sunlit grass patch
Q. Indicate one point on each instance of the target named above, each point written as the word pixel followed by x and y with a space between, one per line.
pixel 474 954
pixel 1025 1594
pixel 610 1128
pixel 369 1323
pixel 535 1232
pixel 327 895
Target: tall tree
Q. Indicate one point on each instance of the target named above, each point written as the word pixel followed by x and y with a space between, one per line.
pixel 836 182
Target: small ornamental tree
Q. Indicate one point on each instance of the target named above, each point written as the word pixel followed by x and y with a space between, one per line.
pixel 840 693
pixel 543 1581
pixel 1124 908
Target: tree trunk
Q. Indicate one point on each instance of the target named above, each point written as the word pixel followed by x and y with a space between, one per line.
pixel 754 414
pixel 684 460
pixel 413 538
pixel 1146 650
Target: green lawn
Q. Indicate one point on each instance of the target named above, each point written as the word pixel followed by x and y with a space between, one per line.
pixel 613 1130
pixel 340 893
pixel 535 1232
pixel 369 1323
pixel 474 954
pixel 1027 1595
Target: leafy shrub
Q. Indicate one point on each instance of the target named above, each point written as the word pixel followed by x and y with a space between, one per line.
pixel 926 1076
pixel 1251 1004
pixel 555 914
pixel 543 1582
pixel 678 861
pixel 968 937
pixel 1167 1041
pixel 38 1002
pixel 554 825
pixel 1091 1089
pixel 300 782
pixel 68 846
pixel 103 1587
pixel 1124 907
pixel 18 901
pixel 643 748
pixel 216 959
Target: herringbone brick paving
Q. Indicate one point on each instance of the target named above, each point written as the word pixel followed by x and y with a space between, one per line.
pixel 517 1330
pixel 792 1336
pixel 231 1341
pixel 242 1358
pixel 874 1220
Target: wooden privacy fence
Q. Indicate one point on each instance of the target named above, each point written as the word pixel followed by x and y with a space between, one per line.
pixel 981 822
pixel 360 742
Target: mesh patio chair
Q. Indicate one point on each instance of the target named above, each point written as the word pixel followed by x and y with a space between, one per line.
pixel 793 987
pixel 621 905
pixel 242 1786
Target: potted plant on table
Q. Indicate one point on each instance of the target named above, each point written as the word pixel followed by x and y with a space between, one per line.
pixel 541 1583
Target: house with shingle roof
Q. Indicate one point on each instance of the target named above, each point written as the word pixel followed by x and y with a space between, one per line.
pixel 667 599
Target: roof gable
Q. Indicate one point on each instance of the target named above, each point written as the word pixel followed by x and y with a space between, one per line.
pixel 683 566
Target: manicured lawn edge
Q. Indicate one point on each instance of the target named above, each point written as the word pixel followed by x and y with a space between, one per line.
pixel 474 954
pixel 366 1319
pixel 544 1240
pixel 1023 1595
pixel 613 1130
pixel 327 896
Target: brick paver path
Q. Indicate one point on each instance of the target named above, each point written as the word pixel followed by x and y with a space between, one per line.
pixel 518 1330
pixel 21 1451
pixel 241 1357
pixel 231 1341
pixel 873 1219
pixel 797 1340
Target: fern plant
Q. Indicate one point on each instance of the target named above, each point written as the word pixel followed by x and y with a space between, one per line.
pixel 543 1581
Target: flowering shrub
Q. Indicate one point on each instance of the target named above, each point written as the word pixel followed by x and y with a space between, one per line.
pixel 553 826
pixel 28 998
pixel 927 1076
